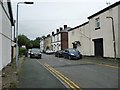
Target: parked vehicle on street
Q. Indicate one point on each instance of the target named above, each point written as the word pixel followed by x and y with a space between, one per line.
pixel 48 51
pixel 29 50
pixel 72 53
pixel 59 53
pixel 28 53
pixel 35 53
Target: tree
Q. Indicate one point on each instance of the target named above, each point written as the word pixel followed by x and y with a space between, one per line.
pixel 29 45
pixel 38 39
pixel 36 43
pixel 22 40
pixel 43 37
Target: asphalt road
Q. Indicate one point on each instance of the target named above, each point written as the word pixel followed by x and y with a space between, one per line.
pixel 34 75
pixel 85 73
pixel 53 72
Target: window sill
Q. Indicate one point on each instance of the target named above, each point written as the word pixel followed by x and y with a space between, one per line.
pixel 97 28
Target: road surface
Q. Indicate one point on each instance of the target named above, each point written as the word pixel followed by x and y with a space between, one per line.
pixel 64 73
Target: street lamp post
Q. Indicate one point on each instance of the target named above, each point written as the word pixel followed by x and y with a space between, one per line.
pixel 113 36
pixel 17 30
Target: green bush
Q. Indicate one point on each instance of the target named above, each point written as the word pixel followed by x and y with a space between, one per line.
pixel 22 51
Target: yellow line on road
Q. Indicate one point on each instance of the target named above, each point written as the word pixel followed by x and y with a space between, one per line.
pixel 67 81
pixel 109 66
pixel 58 73
pixel 63 80
pixel 103 64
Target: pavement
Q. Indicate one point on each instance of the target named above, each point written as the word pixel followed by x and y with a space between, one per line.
pixel 34 75
pixel 101 60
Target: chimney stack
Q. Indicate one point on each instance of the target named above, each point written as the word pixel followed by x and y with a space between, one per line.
pixel 61 29
pixel 52 33
pixel 57 30
pixel 48 35
pixel 65 26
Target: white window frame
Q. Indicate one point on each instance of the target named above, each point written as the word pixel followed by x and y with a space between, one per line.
pixel 97 23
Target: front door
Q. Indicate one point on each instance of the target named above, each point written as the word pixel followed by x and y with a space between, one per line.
pixel 98 46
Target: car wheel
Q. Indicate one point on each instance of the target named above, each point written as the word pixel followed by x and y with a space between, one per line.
pixel 30 56
pixel 64 57
pixel 69 57
pixel 80 56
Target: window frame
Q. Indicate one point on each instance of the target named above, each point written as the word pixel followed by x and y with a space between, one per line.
pixel 97 23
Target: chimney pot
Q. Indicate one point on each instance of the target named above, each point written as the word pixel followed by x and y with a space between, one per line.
pixel 65 26
pixel 52 33
pixel 57 30
pixel 61 28
pixel 48 35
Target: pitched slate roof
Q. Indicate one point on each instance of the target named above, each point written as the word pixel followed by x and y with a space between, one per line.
pixel 79 26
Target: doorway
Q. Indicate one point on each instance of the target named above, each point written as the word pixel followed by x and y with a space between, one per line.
pixel 98 47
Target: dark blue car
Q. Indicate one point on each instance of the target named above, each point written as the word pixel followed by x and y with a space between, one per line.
pixel 59 53
pixel 72 53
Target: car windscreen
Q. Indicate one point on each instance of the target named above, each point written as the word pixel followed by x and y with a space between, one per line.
pixel 73 50
pixel 35 50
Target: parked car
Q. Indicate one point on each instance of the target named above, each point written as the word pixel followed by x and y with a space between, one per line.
pixel 48 51
pixel 59 53
pixel 35 53
pixel 29 50
pixel 72 53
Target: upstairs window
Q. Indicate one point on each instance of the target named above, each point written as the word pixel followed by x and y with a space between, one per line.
pixel 97 23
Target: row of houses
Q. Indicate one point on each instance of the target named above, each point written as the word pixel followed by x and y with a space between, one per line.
pixel 6 29
pixel 55 41
pixel 99 36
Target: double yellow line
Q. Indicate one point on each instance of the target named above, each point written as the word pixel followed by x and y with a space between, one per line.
pixel 112 66
pixel 64 79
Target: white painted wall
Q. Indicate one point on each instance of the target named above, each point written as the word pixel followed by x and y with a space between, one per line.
pixel 5 40
pixel 81 34
pixel 0 51
pixel 85 40
pixel 119 31
pixel 0 38
pixel 85 34
pixel 56 42
pixel 105 31
pixel 42 45
pixel 5 5
pixel 73 35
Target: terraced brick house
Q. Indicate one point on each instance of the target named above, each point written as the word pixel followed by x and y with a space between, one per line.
pixel 60 38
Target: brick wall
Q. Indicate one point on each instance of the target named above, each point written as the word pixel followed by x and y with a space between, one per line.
pixel 64 40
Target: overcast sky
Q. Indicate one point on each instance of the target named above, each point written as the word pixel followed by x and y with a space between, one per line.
pixel 45 16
